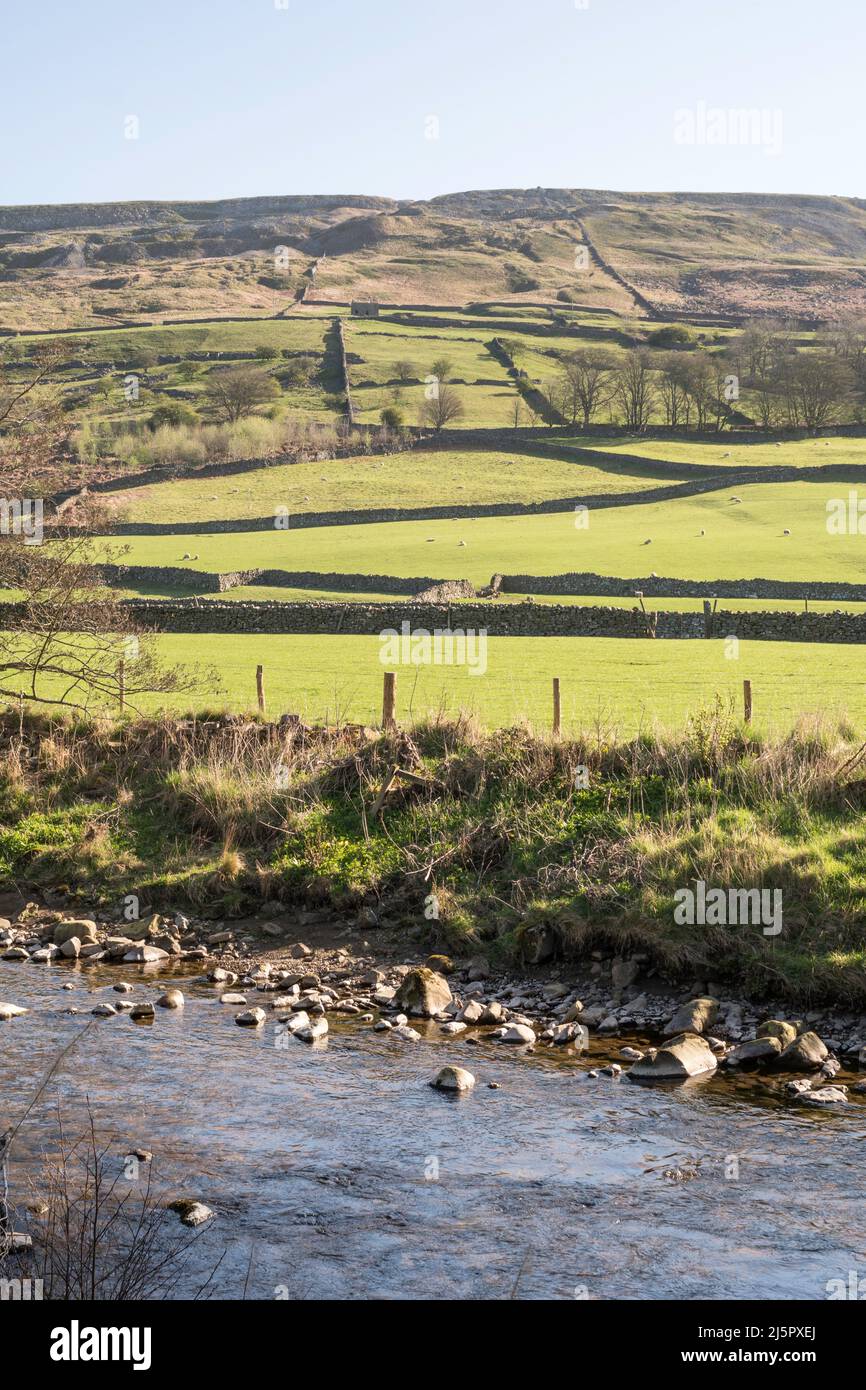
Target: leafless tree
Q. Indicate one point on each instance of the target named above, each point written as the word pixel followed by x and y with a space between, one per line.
pixel 236 392
pixel 634 390
pixel 586 386
pixel 442 408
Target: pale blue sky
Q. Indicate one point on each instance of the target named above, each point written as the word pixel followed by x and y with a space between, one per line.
pixel 239 97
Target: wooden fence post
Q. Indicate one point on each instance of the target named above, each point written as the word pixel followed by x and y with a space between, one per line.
pixel 389 699
pixel 260 688
pixel 747 701
pixel 557 709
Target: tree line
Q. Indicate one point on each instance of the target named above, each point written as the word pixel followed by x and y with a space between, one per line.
pixel 770 373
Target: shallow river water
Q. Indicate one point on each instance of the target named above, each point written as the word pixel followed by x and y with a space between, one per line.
pixel 336 1172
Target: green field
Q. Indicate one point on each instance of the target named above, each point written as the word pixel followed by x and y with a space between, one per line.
pixel 731 453
pixel 622 684
pixel 416 478
pixel 740 541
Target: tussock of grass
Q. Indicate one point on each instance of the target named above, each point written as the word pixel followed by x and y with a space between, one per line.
pixel 501 838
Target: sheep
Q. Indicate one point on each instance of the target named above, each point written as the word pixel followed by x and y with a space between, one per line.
pixel 734 500
pixel 786 532
pixel 702 533
pixel 187 556
pixel 647 542
pixel 461 543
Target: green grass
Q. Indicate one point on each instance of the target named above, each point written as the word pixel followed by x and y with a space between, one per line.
pixel 416 478
pixel 588 838
pixel 623 683
pixel 741 541
pixel 730 452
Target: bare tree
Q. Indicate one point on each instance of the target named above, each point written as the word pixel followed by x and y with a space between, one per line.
pixel 586 386
pixel 64 636
pixel 442 408
pixel 236 392
pixel 633 389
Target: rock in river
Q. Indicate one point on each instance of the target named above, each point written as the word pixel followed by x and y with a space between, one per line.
pixel 423 992
pixel 251 1018
pixel 144 955
pixel 8 1011
pixel 806 1054
pixel 756 1050
pixel 689 1055
pixel 191 1213
pixel 454 1079
pixel 172 999
pixel 693 1017
pixel 81 927
pixel 518 1033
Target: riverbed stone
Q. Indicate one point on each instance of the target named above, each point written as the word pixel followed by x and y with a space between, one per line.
pixel 693 1017
pixel 806 1053
pixel 315 1029
pixel 190 1212
pixel 144 1009
pixel 683 1057
pixel 9 1011
pixel 251 1018
pixel 172 999
pixel 766 1049
pixel 45 955
pixel 826 1095
pixel 144 955
pixel 777 1028
pixel 518 1033
pixel 104 1011
pixel 494 1012
pixel 453 1028
pixel 423 992
pixel 454 1079
pixel 472 1012
pixel 16 953
pixel 84 928
pixel 405 1033
pixel 71 948
pixel 566 1033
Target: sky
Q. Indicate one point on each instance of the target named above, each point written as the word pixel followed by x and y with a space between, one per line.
pixel 183 99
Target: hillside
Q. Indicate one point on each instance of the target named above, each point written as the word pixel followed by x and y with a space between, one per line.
pixel 681 254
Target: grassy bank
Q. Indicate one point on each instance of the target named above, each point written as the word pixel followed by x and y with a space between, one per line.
pixel 508 833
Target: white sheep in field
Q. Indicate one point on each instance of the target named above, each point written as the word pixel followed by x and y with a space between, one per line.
pixel 647 542
pixel 702 533
pixel 734 500
pixel 786 532
pixel 461 543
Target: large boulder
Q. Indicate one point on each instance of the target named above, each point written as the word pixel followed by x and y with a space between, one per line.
pixel 756 1050
pixel 694 1017
pixel 81 927
pixel 689 1055
pixel 777 1028
pixel 423 992
pixel 806 1053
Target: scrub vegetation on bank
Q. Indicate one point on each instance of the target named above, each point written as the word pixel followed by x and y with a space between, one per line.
pixel 500 843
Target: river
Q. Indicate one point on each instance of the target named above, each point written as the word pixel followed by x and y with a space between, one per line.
pixel 336 1172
